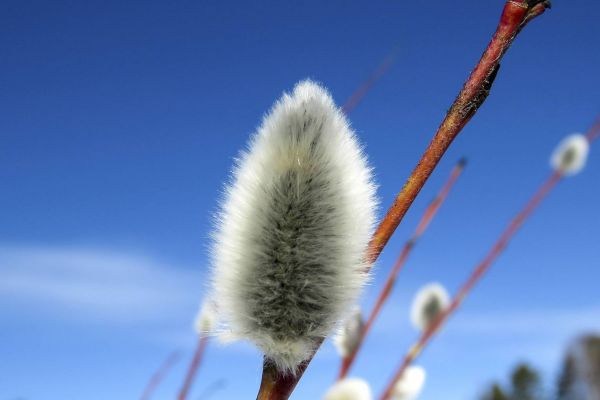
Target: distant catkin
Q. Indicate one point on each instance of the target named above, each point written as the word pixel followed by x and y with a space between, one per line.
pixel 289 253
pixel 410 385
pixel 349 389
pixel 206 319
pixel 429 302
pixel 570 155
pixel 348 336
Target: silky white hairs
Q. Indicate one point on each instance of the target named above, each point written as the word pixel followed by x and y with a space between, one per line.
pixel 570 155
pixel 349 389
pixel 348 336
pixel 206 319
pixel 429 302
pixel 410 385
pixel 289 253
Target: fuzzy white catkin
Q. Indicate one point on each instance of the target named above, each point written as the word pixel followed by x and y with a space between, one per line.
pixel 429 301
pixel 348 336
pixel 570 155
pixel 289 252
pixel 206 319
pixel 349 389
pixel 410 385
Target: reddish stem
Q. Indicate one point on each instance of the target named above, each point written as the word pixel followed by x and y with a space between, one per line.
pixel 364 88
pixel 592 134
pixel 159 375
pixel 193 368
pixel 391 280
pixel 475 276
pixel 515 15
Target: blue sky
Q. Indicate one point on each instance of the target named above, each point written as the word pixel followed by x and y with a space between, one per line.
pixel 120 122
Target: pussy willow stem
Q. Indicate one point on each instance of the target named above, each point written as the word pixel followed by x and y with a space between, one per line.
pixel 159 375
pixel 473 279
pixel 515 15
pixel 594 131
pixel 364 88
pixel 193 368
pixel 482 268
pixel 428 215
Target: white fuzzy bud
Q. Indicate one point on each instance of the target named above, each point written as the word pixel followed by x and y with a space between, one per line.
pixel 410 385
pixel 349 389
pixel 206 319
pixel 429 302
pixel 348 336
pixel 570 155
pixel 289 253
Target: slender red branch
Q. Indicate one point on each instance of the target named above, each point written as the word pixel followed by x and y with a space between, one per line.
pixel 193 368
pixel 428 215
pixel 515 15
pixel 475 276
pixel 475 91
pixel 160 373
pixel 364 88
pixel 592 134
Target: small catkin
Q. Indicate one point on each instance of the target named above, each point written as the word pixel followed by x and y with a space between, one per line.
pixel 206 319
pixel 427 305
pixel 410 385
pixel 570 155
pixel 289 252
pixel 348 336
pixel 349 389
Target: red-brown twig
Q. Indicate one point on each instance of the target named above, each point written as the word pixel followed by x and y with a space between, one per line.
pixel 515 15
pixel 428 215
pixel 160 373
pixel 594 131
pixel 482 268
pixel 193 368
pixel 474 278
pixel 364 88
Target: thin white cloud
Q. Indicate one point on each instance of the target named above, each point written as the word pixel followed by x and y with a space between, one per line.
pixel 97 284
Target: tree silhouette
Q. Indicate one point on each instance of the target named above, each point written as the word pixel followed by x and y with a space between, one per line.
pixel 580 374
pixel 525 384
pixel 495 393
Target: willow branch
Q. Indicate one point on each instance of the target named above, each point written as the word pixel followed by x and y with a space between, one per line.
pixel 483 267
pixel 193 368
pixel 475 276
pixel 158 376
pixel 366 86
pixel 515 15
pixel 426 219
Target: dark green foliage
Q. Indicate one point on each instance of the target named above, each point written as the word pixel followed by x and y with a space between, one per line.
pixel 580 374
pixel 579 377
pixel 525 384
pixel 495 393
pixel 592 355
pixel 567 378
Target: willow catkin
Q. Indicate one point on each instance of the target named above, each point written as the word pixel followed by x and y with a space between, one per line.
pixel 289 253
pixel 429 302
pixel 570 155
pixel 410 384
pixel 349 389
